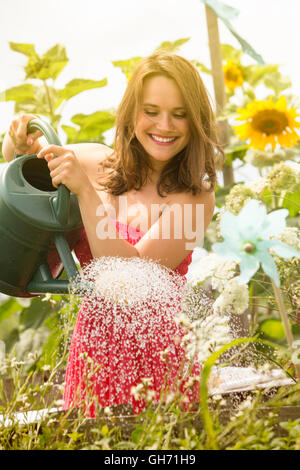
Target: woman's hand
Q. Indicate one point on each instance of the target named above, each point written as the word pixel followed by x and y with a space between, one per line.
pixel 24 143
pixel 65 168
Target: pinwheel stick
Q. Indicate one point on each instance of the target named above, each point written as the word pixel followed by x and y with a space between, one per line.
pixel 215 51
pixel 285 322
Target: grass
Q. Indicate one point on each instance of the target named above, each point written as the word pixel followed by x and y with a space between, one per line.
pixel 257 420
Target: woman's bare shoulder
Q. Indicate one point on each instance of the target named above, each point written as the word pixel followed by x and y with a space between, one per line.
pixel 90 151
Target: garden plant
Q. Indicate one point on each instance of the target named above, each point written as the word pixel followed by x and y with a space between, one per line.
pixel 251 272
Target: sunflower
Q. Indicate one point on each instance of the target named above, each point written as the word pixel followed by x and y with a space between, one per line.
pixel 233 75
pixel 268 124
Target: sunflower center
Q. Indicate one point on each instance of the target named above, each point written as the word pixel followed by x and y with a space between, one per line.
pixel 270 121
pixel 232 75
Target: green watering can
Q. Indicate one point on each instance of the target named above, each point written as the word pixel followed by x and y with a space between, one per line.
pixel 39 225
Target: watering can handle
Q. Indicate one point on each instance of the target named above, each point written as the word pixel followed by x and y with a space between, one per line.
pixel 61 202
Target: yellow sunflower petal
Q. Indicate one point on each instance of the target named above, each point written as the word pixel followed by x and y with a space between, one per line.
pixel 268 124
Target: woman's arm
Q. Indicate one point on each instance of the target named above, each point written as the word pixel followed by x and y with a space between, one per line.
pixel 16 140
pixel 178 230
pixel 66 169
pixel 175 233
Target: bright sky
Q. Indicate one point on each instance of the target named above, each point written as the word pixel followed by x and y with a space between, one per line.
pixel 95 32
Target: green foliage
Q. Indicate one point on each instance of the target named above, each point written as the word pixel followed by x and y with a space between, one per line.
pixel 172 46
pixel 40 325
pixel 90 127
pixel 38 322
pixel 44 98
pixel 273 329
pixel 38 330
pixel 127 65
pixel 49 65
pixel 253 423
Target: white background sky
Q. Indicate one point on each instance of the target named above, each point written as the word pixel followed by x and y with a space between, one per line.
pixel 95 32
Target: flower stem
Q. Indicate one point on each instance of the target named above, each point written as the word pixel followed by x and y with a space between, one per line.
pixel 285 322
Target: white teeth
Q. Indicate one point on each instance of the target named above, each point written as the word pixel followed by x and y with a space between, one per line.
pixel 162 139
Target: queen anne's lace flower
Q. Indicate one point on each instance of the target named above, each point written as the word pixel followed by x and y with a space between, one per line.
pixel 214 268
pixel 206 336
pixel 290 236
pixel 258 185
pixel 283 177
pixel 233 299
pixel 238 196
pixel 263 158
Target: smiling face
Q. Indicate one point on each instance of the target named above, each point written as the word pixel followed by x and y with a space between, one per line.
pixel 162 126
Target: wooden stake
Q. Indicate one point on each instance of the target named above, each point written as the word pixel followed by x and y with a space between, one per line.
pixel 219 84
pixel 285 322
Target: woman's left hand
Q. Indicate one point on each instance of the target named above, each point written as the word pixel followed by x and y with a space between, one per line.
pixel 64 168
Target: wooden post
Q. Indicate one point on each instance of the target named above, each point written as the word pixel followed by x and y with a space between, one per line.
pixel 219 84
pixel 286 323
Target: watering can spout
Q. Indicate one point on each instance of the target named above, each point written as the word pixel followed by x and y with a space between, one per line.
pixel 40 225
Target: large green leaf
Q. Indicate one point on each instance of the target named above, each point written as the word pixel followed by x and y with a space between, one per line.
pixel 11 339
pixel 235 152
pixel 1 143
pixel 172 46
pixel 43 103
pixel 230 53
pixel 97 118
pixel 277 82
pixel 8 308
pixel 127 66
pixel 201 66
pixel 291 202
pixel 255 74
pixel 78 85
pixel 267 197
pixel 229 111
pixel 49 65
pixel 27 49
pixel 30 107
pixel 34 315
pixel 90 126
pixel 91 134
pixel 226 13
pixel 221 192
pixel 18 93
pixel 273 328
pixel 71 133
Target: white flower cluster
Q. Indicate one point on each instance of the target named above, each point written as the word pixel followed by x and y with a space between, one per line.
pixel 233 299
pixel 206 336
pixel 257 185
pixel 290 236
pixel 215 269
pixel 267 158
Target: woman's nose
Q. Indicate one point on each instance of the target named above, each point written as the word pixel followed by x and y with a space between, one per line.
pixel 165 122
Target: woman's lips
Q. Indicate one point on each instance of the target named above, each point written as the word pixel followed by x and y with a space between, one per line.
pixel 162 140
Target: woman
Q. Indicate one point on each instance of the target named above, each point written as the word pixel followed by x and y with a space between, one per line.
pixel 164 157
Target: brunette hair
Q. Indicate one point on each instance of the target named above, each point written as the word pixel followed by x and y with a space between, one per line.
pixel 128 166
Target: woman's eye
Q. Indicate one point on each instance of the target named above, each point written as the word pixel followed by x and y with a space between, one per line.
pixel 150 113
pixel 155 113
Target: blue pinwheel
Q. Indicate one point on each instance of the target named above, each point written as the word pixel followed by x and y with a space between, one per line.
pixel 247 240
